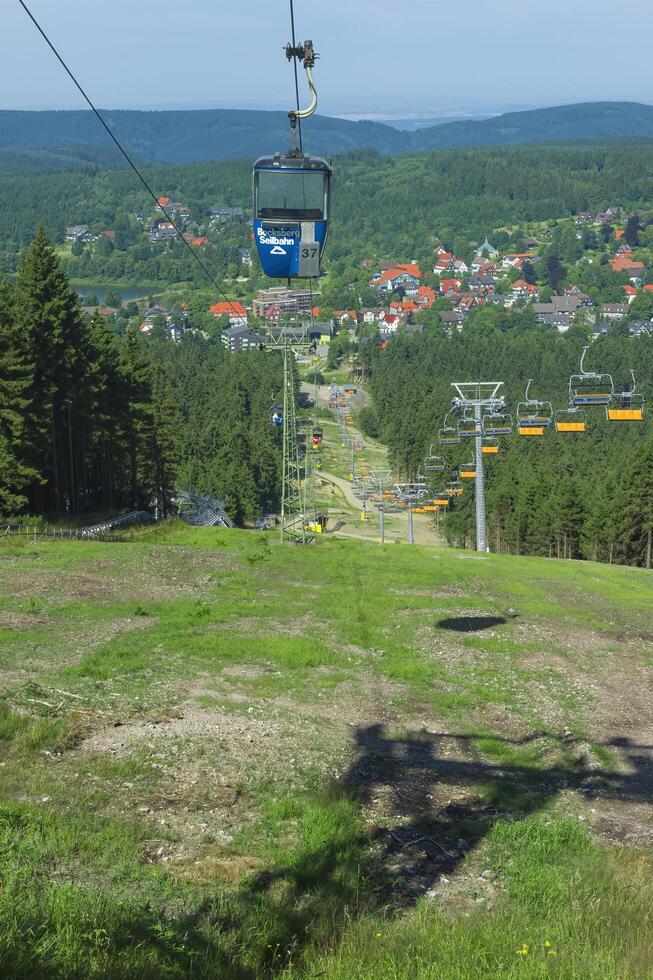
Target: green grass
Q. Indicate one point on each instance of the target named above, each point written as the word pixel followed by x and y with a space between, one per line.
pixel 281 723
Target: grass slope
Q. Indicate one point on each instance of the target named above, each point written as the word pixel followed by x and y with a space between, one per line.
pixel 224 757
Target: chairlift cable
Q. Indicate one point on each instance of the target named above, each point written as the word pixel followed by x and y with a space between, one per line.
pixel 125 154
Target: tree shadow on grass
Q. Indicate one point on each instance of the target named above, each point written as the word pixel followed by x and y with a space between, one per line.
pixel 470 624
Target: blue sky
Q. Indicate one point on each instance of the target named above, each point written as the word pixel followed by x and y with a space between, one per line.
pixel 384 58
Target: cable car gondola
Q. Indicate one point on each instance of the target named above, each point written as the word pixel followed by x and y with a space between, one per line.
pixel 626 406
pixel 292 198
pixel 590 387
pixel 571 420
pixel 533 416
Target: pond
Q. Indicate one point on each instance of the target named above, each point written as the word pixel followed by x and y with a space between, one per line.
pixel 126 292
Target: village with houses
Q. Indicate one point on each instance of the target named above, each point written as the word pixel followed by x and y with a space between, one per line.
pixel 605 282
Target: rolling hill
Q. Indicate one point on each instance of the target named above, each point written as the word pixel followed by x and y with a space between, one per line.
pixel 75 139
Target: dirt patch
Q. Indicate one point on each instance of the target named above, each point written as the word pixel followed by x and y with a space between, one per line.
pixel 154 575
pixel 201 768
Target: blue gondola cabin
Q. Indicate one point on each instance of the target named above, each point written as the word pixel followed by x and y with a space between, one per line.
pixel 291 214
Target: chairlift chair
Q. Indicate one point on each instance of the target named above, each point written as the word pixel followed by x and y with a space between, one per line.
pixel 276 416
pixel 469 428
pixel 490 447
pixel 626 406
pixel 590 387
pixel 434 463
pixel 497 424
pixel 569 420
pixel 453 488
pixel 467 471
pixel 448 435
pixel 533 416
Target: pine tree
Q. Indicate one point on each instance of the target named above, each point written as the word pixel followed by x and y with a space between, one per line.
pixel 639 508
pixel 139 422
pixel 15 382
pixel 49 316
pixel 166 439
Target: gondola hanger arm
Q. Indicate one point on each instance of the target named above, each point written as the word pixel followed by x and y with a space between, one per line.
pixel 306 54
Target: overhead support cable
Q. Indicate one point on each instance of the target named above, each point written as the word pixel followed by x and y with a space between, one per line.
pixel 126 155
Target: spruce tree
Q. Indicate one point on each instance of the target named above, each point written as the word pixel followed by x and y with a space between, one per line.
pixel 49 316
pixel 166 439
pixel 137 384
pixel 15 381
pixel 638 538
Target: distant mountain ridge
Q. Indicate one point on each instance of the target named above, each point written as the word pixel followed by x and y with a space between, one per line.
pixel 193 136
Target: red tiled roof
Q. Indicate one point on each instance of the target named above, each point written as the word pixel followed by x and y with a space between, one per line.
pixel 163 202
pixel 228 309
pixel 412 268
pixel 395 272
pixel 621 263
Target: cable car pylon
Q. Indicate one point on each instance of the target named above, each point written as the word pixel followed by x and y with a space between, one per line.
pixel 478 401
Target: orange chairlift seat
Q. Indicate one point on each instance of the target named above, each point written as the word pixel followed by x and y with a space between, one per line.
pixel 533 416
pixel 626 406
pixel 569 420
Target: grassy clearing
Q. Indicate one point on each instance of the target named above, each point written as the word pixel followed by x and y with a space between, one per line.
pixel 224 757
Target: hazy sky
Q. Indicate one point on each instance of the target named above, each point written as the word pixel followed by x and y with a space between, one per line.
pixel 378 56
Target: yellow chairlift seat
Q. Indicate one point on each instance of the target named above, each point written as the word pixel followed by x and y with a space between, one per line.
pixel 569 420
pixel 531 430
pixel 467 474
pixel 626 406
pixel 626 414
pixel 489 450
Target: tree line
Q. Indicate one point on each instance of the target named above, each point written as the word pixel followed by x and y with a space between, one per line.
pixel 92 421
pixel 573 496
pixel 383 207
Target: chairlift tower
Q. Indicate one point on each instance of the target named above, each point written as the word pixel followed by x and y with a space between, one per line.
pixel 296 497
pixel 411 493
pixel 478 396
pixel 381 479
